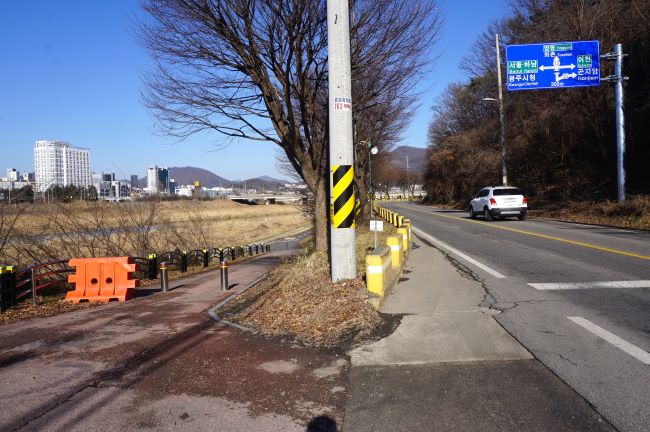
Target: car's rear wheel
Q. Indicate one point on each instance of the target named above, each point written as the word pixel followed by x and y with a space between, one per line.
pixel 472 215
pixel 487 215
pixel 522 216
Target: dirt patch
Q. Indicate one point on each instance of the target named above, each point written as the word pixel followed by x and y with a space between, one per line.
pixel 298 301
pixel 52 306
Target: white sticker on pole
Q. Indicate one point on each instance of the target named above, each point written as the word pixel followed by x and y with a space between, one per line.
pixel 376 225
pixel 342 103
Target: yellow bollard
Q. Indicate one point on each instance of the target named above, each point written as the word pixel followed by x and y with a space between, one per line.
pixel 378 264
pixel 395 244
pixel 403 232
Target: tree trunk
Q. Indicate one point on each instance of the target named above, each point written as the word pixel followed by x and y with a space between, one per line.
pixel 321 217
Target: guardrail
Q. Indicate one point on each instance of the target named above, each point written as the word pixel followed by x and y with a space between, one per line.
pixel 17 284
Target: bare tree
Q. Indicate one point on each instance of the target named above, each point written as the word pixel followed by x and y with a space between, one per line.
pixel 257 69
pixel 9 218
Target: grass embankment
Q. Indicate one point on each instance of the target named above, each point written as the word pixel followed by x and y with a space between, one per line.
pixel 298 301
pixel 633 213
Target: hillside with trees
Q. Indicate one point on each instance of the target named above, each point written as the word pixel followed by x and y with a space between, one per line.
pixel 561 142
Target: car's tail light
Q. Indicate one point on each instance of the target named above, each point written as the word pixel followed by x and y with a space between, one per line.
pixel 525 201
pixel 493 201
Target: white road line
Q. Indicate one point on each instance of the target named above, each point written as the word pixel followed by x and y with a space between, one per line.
pixel 591 285
pixel 632 350
pixel 458 253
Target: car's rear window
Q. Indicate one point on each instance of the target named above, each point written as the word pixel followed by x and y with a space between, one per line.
pixel 509 191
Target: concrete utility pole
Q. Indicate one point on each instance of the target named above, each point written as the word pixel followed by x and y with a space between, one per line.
pixel 504 152
pixel 618 78
pixel 342 228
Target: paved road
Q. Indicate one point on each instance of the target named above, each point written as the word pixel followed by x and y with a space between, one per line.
pixel 577 296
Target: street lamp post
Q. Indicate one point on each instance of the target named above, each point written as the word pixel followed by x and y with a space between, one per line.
pixel 502 120
pixel 372 150
pixel 502 139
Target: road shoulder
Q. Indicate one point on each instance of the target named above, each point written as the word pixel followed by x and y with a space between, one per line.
pixel 451 366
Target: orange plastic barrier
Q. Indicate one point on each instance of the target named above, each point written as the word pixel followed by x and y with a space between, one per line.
pixel 102 279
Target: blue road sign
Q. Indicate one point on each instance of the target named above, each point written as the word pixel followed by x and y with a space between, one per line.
pixel 553 65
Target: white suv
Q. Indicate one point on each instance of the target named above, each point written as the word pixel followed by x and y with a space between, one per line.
pixel 501 201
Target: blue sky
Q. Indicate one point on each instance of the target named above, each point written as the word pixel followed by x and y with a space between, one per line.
pixel 71 70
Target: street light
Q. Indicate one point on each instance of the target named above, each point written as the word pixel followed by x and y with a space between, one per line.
pixel 502 138
pixel 372 150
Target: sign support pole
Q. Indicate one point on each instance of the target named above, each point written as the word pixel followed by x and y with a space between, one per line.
pixel 618 79
pixel 620 122
pixel 342 211
pixel 502 133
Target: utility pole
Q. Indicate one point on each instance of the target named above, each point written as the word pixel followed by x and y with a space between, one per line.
pixel 408 186
pixel 341 153
pixel 504 152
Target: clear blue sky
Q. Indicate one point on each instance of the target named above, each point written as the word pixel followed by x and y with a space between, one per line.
pixel 71 70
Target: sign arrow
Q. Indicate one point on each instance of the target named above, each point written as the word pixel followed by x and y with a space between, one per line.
pixel 564 76
pixel 557 68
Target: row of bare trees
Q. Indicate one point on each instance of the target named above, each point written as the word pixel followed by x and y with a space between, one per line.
pixel 561 143
pixel 42 232
pixel 257 70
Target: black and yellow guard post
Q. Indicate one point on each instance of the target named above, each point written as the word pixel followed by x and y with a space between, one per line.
pixel 342 210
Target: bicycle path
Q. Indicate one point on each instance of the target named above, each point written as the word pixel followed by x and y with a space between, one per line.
pixel 160 362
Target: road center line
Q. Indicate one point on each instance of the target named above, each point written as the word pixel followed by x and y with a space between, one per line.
pixel 590 285
pixel 458 253
pixel 624 345
pixel 573 242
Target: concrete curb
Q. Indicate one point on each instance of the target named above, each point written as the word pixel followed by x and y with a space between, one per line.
pixel 212 311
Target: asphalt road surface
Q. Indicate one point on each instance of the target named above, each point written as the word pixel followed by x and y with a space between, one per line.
pixel 576 296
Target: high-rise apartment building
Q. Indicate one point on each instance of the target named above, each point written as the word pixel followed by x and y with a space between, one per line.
pixel 57 163
pixel 158 179
pixel 12 174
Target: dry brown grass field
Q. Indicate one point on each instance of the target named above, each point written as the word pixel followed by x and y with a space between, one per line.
pixel 39 232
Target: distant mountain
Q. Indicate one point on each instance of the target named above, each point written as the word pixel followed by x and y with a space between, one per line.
pixel 416 158
pixel 188 175
pixel 261 183
pixel 271 179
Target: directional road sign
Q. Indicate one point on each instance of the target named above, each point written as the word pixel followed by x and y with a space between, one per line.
pixel 553 65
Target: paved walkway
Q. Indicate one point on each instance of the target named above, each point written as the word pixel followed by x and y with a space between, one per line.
pixel 161 363
pixel 450 366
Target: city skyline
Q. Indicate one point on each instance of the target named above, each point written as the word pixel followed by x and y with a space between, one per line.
pixel 51 92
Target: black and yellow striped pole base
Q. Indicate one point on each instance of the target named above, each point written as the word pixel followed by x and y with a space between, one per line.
pixel 342 209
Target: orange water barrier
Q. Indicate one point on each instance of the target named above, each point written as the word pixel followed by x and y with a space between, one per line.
pixel 102 279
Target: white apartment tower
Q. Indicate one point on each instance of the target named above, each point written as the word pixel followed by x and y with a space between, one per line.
pixel 158 180
pixel 57 163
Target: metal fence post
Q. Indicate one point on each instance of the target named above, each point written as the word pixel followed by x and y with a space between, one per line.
pixel 153 267
pixel 164 281
pixel 4 289
pixel 183 262
pixel 223 266
pixel 33 276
